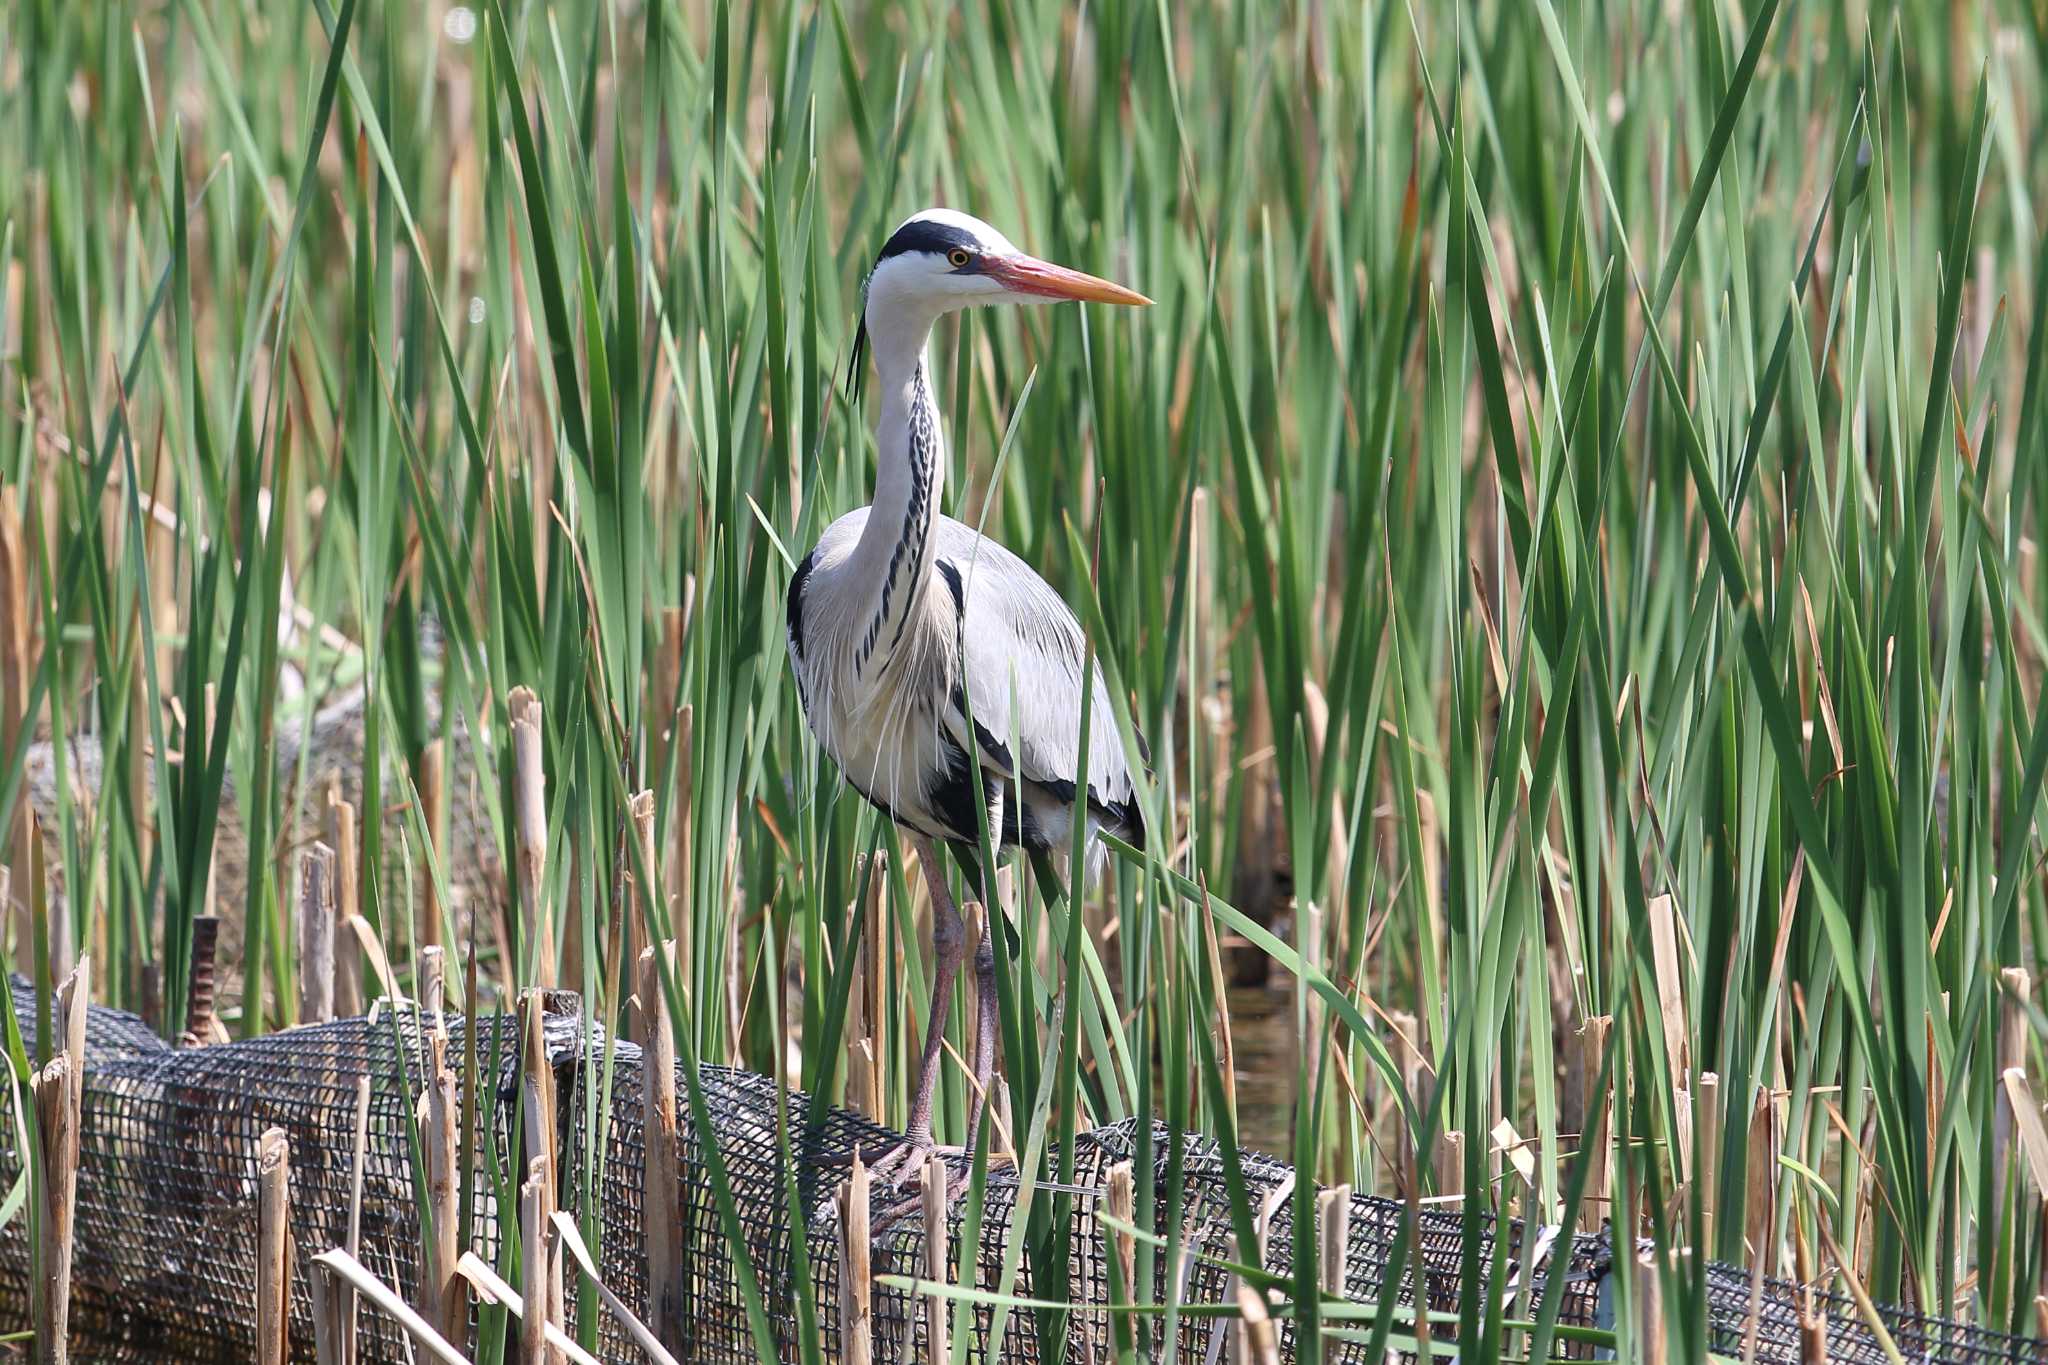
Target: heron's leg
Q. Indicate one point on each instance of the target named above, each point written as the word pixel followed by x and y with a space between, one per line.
pixel 986 1024
pixel 949 950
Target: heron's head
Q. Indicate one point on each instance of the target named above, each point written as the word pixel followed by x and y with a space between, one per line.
pixel 941 260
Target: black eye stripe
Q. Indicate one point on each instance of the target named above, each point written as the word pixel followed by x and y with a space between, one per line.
pixel 926 234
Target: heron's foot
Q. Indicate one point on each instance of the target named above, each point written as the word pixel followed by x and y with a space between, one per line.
pixel 907 1208
pixel 902 1166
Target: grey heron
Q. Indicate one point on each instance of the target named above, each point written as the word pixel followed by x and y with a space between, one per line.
pixel 920 646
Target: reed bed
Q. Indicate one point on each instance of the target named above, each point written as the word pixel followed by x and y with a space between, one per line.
pixel 1569 529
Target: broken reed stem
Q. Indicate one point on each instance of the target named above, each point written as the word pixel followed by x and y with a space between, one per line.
pixel 1590 1102
pixel 530 840
pixel 348 959
pixel 856 1276
pixel 58 1097
pixel 316 935
pixel 1123 1206
pixel 442 1300
pixel 273 1247
pixel 1333 1251
pixel 535 1198
pixel 1450 1164
pixel 661 1164
pixel 430 776
pixel 199 1020
pixel 57 1117
pixel 433 987
pixel 1653 1340
pixel 863 1048
pixel 538 1090
pixel 938 1258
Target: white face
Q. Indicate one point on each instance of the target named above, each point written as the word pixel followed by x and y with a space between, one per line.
pixel 936 261
pixel 941 260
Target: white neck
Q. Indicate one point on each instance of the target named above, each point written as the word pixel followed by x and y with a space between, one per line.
pixel 894 553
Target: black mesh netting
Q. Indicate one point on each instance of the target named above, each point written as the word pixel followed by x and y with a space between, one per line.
pixel 166 1210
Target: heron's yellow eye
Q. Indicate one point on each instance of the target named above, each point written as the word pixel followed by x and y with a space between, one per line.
pixel 958 256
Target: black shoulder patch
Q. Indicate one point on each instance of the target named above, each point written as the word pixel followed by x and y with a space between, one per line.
pixel 796 603
pixel 926 234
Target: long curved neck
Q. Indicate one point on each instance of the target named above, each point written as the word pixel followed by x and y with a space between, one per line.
pixel 894 553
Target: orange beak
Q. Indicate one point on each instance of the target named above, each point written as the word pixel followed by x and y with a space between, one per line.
pixel 1028 275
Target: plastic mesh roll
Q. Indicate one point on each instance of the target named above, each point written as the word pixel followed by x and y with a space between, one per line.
pixel 165 1269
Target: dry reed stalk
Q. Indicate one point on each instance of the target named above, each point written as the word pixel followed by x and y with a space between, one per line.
pixel 1681 1138
pixel 1653 1339
pixel 856 1277
pixel 491 1289
pixel 340 825
pixel 570 1240
pixel 1122 1200
pixel 1315 709
pixel 1226 1039
pixel 2012 1052
pixel 1589 1103
pixel 56 1089
pixel 1759 1195
pixel 529 800
pixel 1664 933
pixel 1333 1251
pixel 1759 1210
pixel 938 1258
pixel 535 1205
pixel 864 1088
pixel 1450 1164
pixel 433 985
pixel 542 1111
pixel 2033 1132
pixel 430 776
pixel 662 1163
pixel 200 1023
pixel 1813 1319
pixel 442 1300
pixel 316 935
pixel 273 1247
pixel 538 1088
pixel 360 1279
